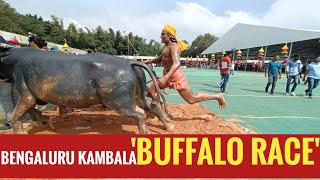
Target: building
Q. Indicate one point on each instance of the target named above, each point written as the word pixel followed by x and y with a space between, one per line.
pixel 250 38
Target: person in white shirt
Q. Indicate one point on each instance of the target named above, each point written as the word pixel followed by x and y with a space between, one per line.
pixel 293 70
pixel 313 72
pixel 232 69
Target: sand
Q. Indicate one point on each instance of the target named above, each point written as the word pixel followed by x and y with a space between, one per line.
pixel 188 119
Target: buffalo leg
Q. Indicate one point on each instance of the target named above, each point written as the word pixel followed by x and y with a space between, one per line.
pixel 25 103
pixel 139 117
pixel 36 115
pixel 63 112
pixel 155 109
pixel 129 109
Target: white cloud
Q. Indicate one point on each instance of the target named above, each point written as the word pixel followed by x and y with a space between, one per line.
pixel 190 20
pixel 67 21
pixel 294 14
pixel 193 19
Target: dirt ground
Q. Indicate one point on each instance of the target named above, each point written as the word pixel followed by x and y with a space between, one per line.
pixel 188 119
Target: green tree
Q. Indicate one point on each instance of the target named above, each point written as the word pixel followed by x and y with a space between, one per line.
pixel 56 31
pixel 9 18
pixel 107 41
pixel 72 36
pixel 201 43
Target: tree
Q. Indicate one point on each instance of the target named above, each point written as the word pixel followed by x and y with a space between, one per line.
pixel 119 43
pixel 107 41
pixel 72 36
pixel 9 18
pixel 201 43
pixel 56 31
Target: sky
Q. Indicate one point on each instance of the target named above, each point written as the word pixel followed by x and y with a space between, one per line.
pixel 146 18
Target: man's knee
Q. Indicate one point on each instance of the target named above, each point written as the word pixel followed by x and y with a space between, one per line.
pixel 190 100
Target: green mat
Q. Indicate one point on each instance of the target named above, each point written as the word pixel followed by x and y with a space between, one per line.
pixel 247 101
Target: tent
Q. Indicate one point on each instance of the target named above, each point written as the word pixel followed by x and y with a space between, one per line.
pixel 252 37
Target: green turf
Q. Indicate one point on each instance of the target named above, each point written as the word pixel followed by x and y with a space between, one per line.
pixel 247 101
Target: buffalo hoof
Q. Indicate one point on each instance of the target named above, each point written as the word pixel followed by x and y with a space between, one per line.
pixel 21 132
pixel 168 112
pixel 64 115
pixel 170 127
pixel 144 131
pixel 50 123
pixel 34 124
pixel 18 128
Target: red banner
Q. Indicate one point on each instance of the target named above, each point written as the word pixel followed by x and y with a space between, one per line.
pixel 159 156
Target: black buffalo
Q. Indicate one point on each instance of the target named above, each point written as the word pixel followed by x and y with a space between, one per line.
pixel 79 81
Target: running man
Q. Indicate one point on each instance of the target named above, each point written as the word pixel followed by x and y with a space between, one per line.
pixel 173 76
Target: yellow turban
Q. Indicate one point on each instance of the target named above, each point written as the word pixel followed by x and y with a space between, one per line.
pixel 172 30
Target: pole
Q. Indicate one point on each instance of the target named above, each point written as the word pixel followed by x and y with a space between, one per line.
pixel 234 54
pixel 264 58
pixel 128 47
pixel 124 32
pixel 290 50
pixel 245 67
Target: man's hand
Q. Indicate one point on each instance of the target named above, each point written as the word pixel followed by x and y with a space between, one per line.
pixel 304 79
pixel 265 75
pixel 163 80
pixel 279 76
pixel 147 62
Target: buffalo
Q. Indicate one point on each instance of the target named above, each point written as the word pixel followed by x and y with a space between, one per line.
pixel 79 82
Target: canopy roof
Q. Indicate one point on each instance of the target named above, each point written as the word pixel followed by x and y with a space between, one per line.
pixel 244 36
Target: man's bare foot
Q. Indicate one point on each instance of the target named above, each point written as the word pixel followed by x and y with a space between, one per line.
pixel 222 101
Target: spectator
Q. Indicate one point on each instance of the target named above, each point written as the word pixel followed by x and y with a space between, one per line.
pixel 92 49
pixel 14 41
pixel 45 46
pixel 3 41
pixel 274 72
pixel 232 69
pixel 9 95
pixel 36 42
pixel 293 70
pixel 313 72
pixel 225 65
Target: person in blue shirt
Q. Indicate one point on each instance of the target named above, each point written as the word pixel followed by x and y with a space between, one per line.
pixel 293 70
pixel 274 72
pixel 9 95
pixel 313 71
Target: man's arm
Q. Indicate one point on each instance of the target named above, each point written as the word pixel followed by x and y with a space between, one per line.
pixel 266 70
pixel 305 73
pixel 280 70
pixel 155 60
pixel 287 67
pixel 229 63
pixel 300 67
